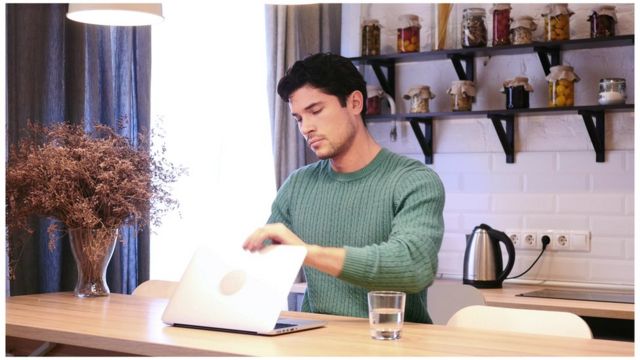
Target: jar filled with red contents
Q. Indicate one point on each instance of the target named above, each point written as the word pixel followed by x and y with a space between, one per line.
pixel 409 33
pixel 374 100
pixel 603 21
pixel 501 22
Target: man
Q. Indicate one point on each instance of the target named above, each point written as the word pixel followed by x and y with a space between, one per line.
pixel 370 219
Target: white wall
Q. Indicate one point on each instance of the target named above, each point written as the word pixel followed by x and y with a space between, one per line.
pixel 555 182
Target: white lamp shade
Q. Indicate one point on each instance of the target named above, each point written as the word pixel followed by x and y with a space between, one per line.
pixel 116 14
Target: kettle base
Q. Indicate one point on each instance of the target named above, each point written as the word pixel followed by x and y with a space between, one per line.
pixel 483 284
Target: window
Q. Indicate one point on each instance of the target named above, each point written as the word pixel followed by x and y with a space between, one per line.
pixel 208 94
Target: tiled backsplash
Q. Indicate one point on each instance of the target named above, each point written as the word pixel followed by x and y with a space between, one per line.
pixel 555 182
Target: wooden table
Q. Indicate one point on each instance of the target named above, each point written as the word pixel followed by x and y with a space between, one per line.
pixel 131 324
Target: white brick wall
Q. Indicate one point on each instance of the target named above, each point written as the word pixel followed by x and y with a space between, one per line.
pixel 555 182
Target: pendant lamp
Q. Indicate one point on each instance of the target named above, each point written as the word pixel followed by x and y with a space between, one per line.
pixel 116 14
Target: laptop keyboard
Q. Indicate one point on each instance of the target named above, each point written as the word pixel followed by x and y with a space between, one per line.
pixel 282 325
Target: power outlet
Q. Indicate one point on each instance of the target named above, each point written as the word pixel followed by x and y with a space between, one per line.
pixel 530 240
pixel 549 233
pixel 560 240
pixel 516 238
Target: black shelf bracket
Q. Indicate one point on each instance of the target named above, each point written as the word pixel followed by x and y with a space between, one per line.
pixel 549 56
pixel 468 72
pixel 425 139
pixel 386 81
pixel 595 130
pixel 506 134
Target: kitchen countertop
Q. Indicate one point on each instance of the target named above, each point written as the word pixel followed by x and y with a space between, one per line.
pixel 506 297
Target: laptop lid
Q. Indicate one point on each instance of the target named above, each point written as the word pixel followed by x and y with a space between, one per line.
pixel 235 289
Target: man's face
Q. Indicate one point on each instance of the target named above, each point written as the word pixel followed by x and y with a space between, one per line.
pixel 328 127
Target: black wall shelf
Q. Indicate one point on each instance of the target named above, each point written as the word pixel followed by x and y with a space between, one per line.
pixel 549 54
pixel 593 116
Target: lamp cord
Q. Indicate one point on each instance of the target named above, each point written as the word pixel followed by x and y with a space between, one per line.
pixel 545 242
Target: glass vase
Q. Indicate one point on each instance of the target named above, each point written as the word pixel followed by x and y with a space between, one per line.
pixel 92 249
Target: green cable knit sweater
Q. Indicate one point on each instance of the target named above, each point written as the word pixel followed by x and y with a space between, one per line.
pixel 388 217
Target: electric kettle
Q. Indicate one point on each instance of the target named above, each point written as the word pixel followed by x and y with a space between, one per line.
pixel 482 266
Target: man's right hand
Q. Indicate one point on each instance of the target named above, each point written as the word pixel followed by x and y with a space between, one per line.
pixel 326 259
pixel 278 233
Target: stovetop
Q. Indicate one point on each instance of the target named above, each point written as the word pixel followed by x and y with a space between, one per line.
pixel 582 294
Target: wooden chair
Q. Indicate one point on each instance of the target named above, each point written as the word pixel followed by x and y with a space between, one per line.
pixel 445 298
pixel 543 322
pixel 156 288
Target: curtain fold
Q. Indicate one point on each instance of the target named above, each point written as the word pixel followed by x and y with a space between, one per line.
pixel 60 70
pixel 293 33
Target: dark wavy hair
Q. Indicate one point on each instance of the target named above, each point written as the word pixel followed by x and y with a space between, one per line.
pixel 330 73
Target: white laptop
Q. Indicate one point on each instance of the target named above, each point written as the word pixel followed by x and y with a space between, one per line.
pixel 238 291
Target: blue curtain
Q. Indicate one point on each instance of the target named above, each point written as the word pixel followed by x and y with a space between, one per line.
pixel 60 70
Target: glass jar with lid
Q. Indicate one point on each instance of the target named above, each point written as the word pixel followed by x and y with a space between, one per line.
pixel 419 97
pixel 561 80
pixel 370 37
pixel 461 95
pixel 517 92
pixel 612 91
pixel 375 95
pixel 603 21
pixel 501 22
pixel 556 22
pixel 408 33
pixel 474 30
pixel 522 29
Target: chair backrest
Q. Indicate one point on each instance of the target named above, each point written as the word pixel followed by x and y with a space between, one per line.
pixel 543 322
pixel 445 298
pixel 155 288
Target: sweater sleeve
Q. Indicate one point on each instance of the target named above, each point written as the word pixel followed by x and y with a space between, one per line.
pixel 408 260
pixel 280 211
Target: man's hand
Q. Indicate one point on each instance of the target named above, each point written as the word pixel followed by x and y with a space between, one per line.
pixel 325 259
pixel 278 233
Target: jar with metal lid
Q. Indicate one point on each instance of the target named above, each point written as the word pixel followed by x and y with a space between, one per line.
pixel 522 29
pixel 517 92
pixel 612 91
pixel 474 31
pixel 556 22
pixel 409 33
pixel 603 21
pixel 419 97
pixel 501 22
pixel 461 95
pixel 370 37
pixel 561 80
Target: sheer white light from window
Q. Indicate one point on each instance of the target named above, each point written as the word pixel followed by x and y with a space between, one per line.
pixel 208 92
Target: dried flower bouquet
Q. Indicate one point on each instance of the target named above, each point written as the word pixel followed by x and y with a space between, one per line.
pixel 95 180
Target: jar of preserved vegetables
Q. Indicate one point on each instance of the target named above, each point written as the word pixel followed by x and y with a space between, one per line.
pixel 522 29
pixel 409 33
pixel 517 92
pixel 556 22
pixel 561 80
pixel 474 30
pixel 419 97
pixel 501 22
pixel 370 37
pixel 461 94
pixel 603 21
